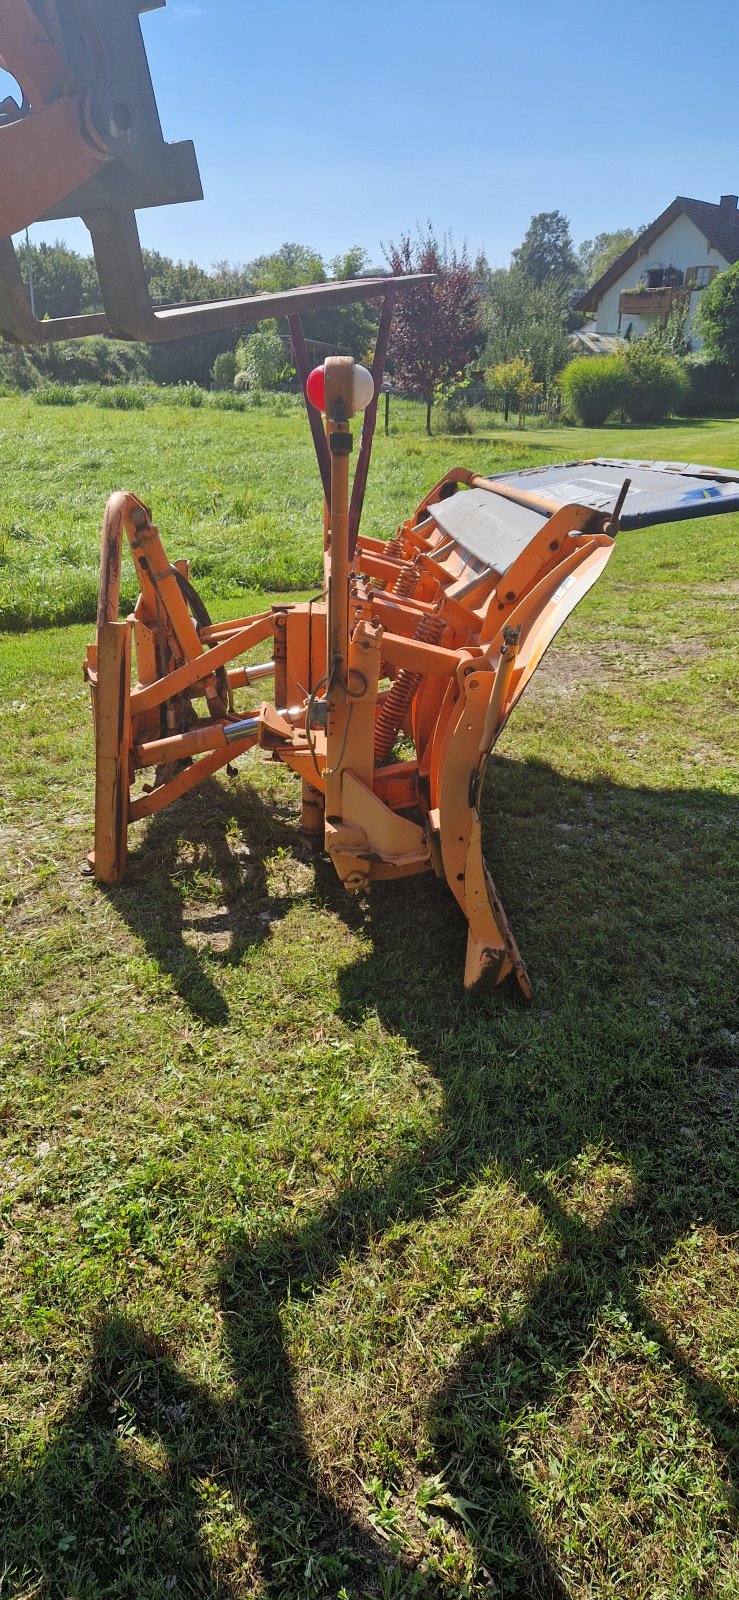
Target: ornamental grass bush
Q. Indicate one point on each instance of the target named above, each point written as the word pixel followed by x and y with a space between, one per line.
pixel 593 387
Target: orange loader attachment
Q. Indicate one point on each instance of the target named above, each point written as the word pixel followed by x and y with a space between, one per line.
pixel 390 691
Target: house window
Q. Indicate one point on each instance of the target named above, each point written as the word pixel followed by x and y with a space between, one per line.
pixel 663 278
pixel 698 277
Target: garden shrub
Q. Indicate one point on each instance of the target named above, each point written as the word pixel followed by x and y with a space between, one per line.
pixel 223 370
pixel 124 397
pixel 593 387
pixel 656 383
pixel 710 388
pixel 227 400
pixel 16 369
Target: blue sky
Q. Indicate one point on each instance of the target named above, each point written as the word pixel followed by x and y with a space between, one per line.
pixel 337 125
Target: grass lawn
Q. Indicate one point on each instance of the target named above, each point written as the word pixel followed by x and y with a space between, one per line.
pixel 320 1280
pixel 236 491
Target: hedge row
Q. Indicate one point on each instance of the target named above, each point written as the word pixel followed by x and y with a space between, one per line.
pixel 645 384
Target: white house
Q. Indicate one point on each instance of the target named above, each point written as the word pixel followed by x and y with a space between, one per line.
pixel 674 258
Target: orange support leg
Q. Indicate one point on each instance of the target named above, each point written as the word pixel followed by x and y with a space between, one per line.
pixel 112 745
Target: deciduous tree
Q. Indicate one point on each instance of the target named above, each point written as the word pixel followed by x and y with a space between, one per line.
pixel 594 256
pixel 719 319
pixel 521 320
pixel 436 324
pixel 546 251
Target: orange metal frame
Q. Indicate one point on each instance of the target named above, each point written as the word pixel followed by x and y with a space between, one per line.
pixel 414 642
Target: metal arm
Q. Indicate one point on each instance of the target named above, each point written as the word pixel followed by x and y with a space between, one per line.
pixel 86 141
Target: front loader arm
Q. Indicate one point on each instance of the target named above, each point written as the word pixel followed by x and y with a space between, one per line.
pixel 86 141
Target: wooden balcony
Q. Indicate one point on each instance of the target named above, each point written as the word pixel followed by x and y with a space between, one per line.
pixel 645 302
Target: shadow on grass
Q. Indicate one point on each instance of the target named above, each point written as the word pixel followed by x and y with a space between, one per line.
pixel 214 839
pixel 624 913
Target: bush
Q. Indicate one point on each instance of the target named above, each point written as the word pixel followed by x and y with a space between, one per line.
pixel 96 360
pixel 223 370
pixel 656 383
pixel 593 387
pixel 718 319
pixel 16 369
pixel 55 394
pixel 122 398
pixel 710 387
pixel 227 400
pixel 262 358
pixel 183 394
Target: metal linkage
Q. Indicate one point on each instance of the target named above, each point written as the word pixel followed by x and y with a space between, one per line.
pixel 86 141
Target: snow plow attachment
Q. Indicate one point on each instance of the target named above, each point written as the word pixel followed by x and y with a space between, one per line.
pixel 391 690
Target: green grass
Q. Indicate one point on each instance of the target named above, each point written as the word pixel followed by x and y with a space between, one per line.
pixel 319 1279
pixel 236 491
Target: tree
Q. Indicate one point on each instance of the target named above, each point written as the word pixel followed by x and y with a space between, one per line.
pixel 436 324
pixel 350 328
pixel 718 319
pixel 65 284
pixel 262 357
pixel 546 251
pixel 179 283
pixel 521 320
pixel 287 268
pixel 506 298
pixel 595 255
pixel 515 379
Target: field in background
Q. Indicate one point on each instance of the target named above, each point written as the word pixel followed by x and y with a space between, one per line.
pixel 319 1280
pixel 238 491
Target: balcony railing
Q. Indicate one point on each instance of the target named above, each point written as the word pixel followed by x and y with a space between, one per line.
pixel 643 302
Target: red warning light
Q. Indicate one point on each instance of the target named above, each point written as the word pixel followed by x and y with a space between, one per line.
pixel 316 389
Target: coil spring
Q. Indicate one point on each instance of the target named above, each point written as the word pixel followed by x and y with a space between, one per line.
pixel 395 707
pixel 406 583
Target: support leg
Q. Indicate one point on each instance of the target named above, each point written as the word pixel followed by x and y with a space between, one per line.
pixel 112 743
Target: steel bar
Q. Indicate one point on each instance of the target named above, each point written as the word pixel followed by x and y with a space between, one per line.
pixel 302 363
pixel 370 419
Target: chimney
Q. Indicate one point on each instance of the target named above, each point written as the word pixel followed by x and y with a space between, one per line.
pixel 727 206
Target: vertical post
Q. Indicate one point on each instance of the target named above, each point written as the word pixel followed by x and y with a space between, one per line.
pixel 302 363
pixel 339 403
pixel 387 412
pixel 109 583
pixel 29 270
pixel 112 741
pixel 370 419
pixel 339 382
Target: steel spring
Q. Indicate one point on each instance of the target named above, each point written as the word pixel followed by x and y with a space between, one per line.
pixel 396 705
pixel 406 583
